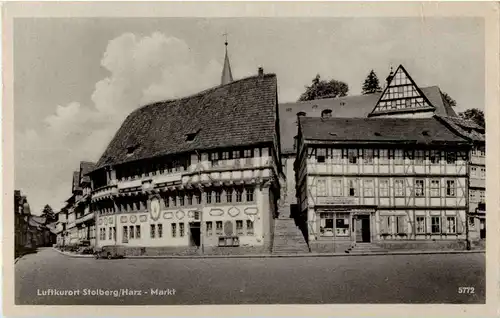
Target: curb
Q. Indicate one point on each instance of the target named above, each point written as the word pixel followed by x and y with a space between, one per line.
pixel 283 255
pixel 73 255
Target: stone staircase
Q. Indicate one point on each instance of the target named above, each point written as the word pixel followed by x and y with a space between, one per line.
pixel 288 238
pixel 365 248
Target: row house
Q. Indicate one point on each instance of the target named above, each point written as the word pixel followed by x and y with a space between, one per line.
pixel 194 174
pixel 381 179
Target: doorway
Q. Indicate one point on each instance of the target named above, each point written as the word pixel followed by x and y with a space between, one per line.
pixel 194 233
pixel 482 229
pixel 362 225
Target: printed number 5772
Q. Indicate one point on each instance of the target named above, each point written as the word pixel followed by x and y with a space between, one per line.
pixel 466 290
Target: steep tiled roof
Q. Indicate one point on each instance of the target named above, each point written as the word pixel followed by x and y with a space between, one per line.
pixel 240 113
pixel 397 130
pixel 349 106
pixel 466 128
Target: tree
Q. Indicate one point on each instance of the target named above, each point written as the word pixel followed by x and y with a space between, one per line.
pixel 321 89
pixel 371 84
pixel 448 99
pixel 474 114
pixel 49 214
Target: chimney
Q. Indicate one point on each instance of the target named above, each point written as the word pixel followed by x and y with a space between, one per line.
pixel 261 71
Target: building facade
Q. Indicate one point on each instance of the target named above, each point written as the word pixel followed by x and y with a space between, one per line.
pixel 196 174
pixel 381 179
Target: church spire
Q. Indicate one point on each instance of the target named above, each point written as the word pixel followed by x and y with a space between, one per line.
pixel 227 75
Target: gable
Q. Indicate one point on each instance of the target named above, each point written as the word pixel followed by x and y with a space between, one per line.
pixel 401 95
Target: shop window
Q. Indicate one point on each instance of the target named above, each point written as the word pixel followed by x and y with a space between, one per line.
pixel 321 155
pixel 419 188
pixel 160 230
pixel 399 187
pixel 181 229
pixel 174 229
pixel 138 231
pixel 249 193
pixel 435 224
pixel 450 188
pixel 327 226
pixel 420 224
pixel 209 228
pixel 451 223
pixel 131 232
pixel 218 227
pixel 249 227
pixel 383 187
pixel 342 224
pixel 239 227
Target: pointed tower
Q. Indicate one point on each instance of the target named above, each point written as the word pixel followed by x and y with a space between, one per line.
pixel 227 75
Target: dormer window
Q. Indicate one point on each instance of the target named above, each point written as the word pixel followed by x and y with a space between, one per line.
pixel 299 114
pixel 131 149
pixel 326 113
pixel 377 134
pixel 425 133
pixel 192 135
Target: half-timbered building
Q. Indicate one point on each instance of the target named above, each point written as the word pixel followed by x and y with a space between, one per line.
pixel 381 180
pixel 195 174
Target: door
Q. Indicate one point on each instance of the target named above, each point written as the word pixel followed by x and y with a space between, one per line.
pixel 194 233
pixel 362 226
pixel 482 229
pixel 359 229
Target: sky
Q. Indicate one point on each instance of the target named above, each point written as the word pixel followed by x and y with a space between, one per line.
pixel 76 79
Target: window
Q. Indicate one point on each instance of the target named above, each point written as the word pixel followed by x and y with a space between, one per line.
pixel 384 187
pixel 419 157
pixel 399 187
pixel 435 156
pixel 181 200
pixel 342 224
pixel 450 188
pixel 420 224
pixel 181 229
pixel 217 196
pixel 236 154
pixel 419 188
pixel 337 187
pixel 238 195
pixel 114 233
pixel 248 154
pixel 321 191
pixel 451 225
pixel 451 157
pixel 214 157
pixel 110 233
pixel 125 233
pixel 385 224
pixel 239 226
pixel 472 223
pixel 398 156
pixel 209 197
pixel 249 227
pixel 353 156
pixel 483 173
pixel 368 156
pixel 435 188
pixel 131 232
pixel 383 156
pixel 174 229
pixel 229 195
pixel 401 224
pixel 138 231
pixel 160 230
pixel 174 200
pixel 321 155
pixel 166 201
pixel 337 155
pixel 218 227
pixel 190 199
pixel 436 225
pixel 209 228
pixel 152 230
pixel 249 194
pixel 225 155
pixel 481 195
pixel 198 198
pixel 368 188
pixel 408 154
pixel 352 188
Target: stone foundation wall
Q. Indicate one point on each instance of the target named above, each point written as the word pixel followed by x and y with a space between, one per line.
pixel 422 245
pixel 193 251
pixel 329 247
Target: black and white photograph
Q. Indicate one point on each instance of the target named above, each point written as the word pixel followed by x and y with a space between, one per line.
pixel 250 160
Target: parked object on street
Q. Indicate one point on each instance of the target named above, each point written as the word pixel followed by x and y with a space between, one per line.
pixel 110 252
